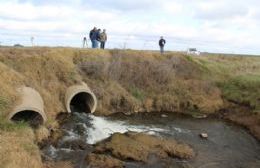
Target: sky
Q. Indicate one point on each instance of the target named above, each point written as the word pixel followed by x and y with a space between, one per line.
pixel 223 26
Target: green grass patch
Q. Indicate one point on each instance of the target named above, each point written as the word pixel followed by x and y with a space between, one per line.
pixel 201 64
pixel 137 93
pixel 189 58
pixel 3 103
pixel 243 89
pixel 10 126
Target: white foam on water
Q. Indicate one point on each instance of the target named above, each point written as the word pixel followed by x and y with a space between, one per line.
pixel 102 129
pixel 71 136
pixel 67 150
pixel 180 130
pixel 52 151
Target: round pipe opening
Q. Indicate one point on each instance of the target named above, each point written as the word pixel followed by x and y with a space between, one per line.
pixel 32 117
pixel 82 102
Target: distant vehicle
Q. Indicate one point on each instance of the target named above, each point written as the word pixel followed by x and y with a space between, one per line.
pixel 18 45
pixel 193 51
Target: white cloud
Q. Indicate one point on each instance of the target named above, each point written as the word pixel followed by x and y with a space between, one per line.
pixel 220 10
pixel 204 23
pixel 174 7
pixel 27 11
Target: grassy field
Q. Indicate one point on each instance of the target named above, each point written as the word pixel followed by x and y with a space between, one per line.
pixel 124 81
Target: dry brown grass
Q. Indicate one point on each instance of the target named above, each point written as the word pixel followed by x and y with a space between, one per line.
pixel 18 150
pixel 48 71
pixel 153 82
pixel 123 80
pixel 9 80
pixel 41 133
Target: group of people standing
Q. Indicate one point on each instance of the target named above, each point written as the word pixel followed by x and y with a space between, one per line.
pixel 98 38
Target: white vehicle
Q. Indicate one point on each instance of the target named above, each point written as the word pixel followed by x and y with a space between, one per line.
pixel 193 51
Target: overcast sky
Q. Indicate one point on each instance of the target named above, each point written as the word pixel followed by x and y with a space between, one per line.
pixel 225 26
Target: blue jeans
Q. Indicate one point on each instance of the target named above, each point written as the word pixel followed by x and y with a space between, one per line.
pixel 162 49
pixel 93 45
pixel 96 44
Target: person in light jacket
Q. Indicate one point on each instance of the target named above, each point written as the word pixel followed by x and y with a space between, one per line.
pixel 103 39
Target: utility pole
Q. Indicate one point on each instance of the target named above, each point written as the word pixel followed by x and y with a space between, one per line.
pixel 32 41
pixel 124 46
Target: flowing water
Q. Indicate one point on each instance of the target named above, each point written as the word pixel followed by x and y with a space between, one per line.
pixel 228 146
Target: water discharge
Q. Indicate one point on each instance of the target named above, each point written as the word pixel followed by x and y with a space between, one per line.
pixel 228 146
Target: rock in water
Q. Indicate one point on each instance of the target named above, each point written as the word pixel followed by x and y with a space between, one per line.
pixel 164 116
pixel 204 135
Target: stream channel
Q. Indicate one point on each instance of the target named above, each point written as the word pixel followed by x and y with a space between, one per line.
pixel 227 146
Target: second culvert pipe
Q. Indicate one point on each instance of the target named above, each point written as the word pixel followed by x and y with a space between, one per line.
pixel 79 98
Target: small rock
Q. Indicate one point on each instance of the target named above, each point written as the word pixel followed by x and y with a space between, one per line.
pixel 127 113
pixel 164 116
pixel 204 135
pixel 200 116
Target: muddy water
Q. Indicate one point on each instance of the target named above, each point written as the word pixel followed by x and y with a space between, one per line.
pixel 228 146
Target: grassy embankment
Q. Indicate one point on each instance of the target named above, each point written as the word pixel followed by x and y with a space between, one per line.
pixel 128 81
pixel 239 81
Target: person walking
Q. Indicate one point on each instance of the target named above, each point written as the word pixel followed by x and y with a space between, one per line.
pixel 162 42
pixel 103 39
pixel 92 36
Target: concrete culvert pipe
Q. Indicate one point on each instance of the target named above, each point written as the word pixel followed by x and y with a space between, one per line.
pixel 79 98
pixel 31 108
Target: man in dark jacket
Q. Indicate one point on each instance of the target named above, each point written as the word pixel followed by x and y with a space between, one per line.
pixel 162 42
pixel 92 36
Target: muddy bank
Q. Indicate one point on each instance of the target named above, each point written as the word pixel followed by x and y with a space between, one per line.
pixel 251 122
pixel 243 116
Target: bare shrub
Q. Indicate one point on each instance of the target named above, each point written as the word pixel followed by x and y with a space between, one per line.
pixel 143 74
pixel 93 69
